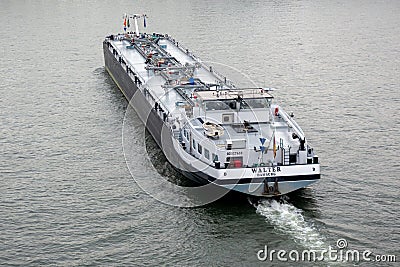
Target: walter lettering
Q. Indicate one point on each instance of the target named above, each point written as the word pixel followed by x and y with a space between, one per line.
pixel 266 171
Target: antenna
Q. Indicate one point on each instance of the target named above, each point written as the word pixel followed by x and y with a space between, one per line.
pixel 135 18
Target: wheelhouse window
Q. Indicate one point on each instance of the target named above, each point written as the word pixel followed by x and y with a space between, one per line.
pixel 251 103
pixel 220 105
pixel 194 144
pixel 232 104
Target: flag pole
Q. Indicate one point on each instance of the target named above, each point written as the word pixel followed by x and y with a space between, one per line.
pixel 125 17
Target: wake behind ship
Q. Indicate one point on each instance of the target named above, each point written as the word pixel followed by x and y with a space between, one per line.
pixel 209 130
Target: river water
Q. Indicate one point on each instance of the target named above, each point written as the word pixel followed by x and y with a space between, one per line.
pixel 67 197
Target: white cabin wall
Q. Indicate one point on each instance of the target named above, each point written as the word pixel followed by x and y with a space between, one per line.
pixel 243 115
pixel 253 115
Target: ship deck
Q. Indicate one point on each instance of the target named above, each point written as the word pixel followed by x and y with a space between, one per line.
pixel 233 132
pixel 202 73
pixel 154 82
pixel 167 97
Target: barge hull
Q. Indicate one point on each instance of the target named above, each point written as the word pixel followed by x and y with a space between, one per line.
pixel 134 96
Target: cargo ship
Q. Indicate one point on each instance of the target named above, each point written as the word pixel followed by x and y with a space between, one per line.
pixel 209 129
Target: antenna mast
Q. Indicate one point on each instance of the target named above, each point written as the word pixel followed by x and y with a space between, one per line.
pixel 135 18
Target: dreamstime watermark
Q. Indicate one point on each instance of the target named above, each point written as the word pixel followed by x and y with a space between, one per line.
pixel 340 253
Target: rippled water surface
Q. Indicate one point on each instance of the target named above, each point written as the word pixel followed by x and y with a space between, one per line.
pixel 67 196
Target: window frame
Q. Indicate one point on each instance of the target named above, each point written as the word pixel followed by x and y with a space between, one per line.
pixel 207 153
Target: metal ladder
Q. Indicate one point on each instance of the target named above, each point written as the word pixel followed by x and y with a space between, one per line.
pixel 286 157
pixel 285 154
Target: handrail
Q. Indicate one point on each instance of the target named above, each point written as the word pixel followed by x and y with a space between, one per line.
pixel 291 122
pixel 218 75
pixel 128 63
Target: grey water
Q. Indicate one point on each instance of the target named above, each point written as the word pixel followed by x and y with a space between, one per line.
pixel 67 197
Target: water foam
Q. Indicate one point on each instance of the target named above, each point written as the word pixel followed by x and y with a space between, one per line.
pixel 289 220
